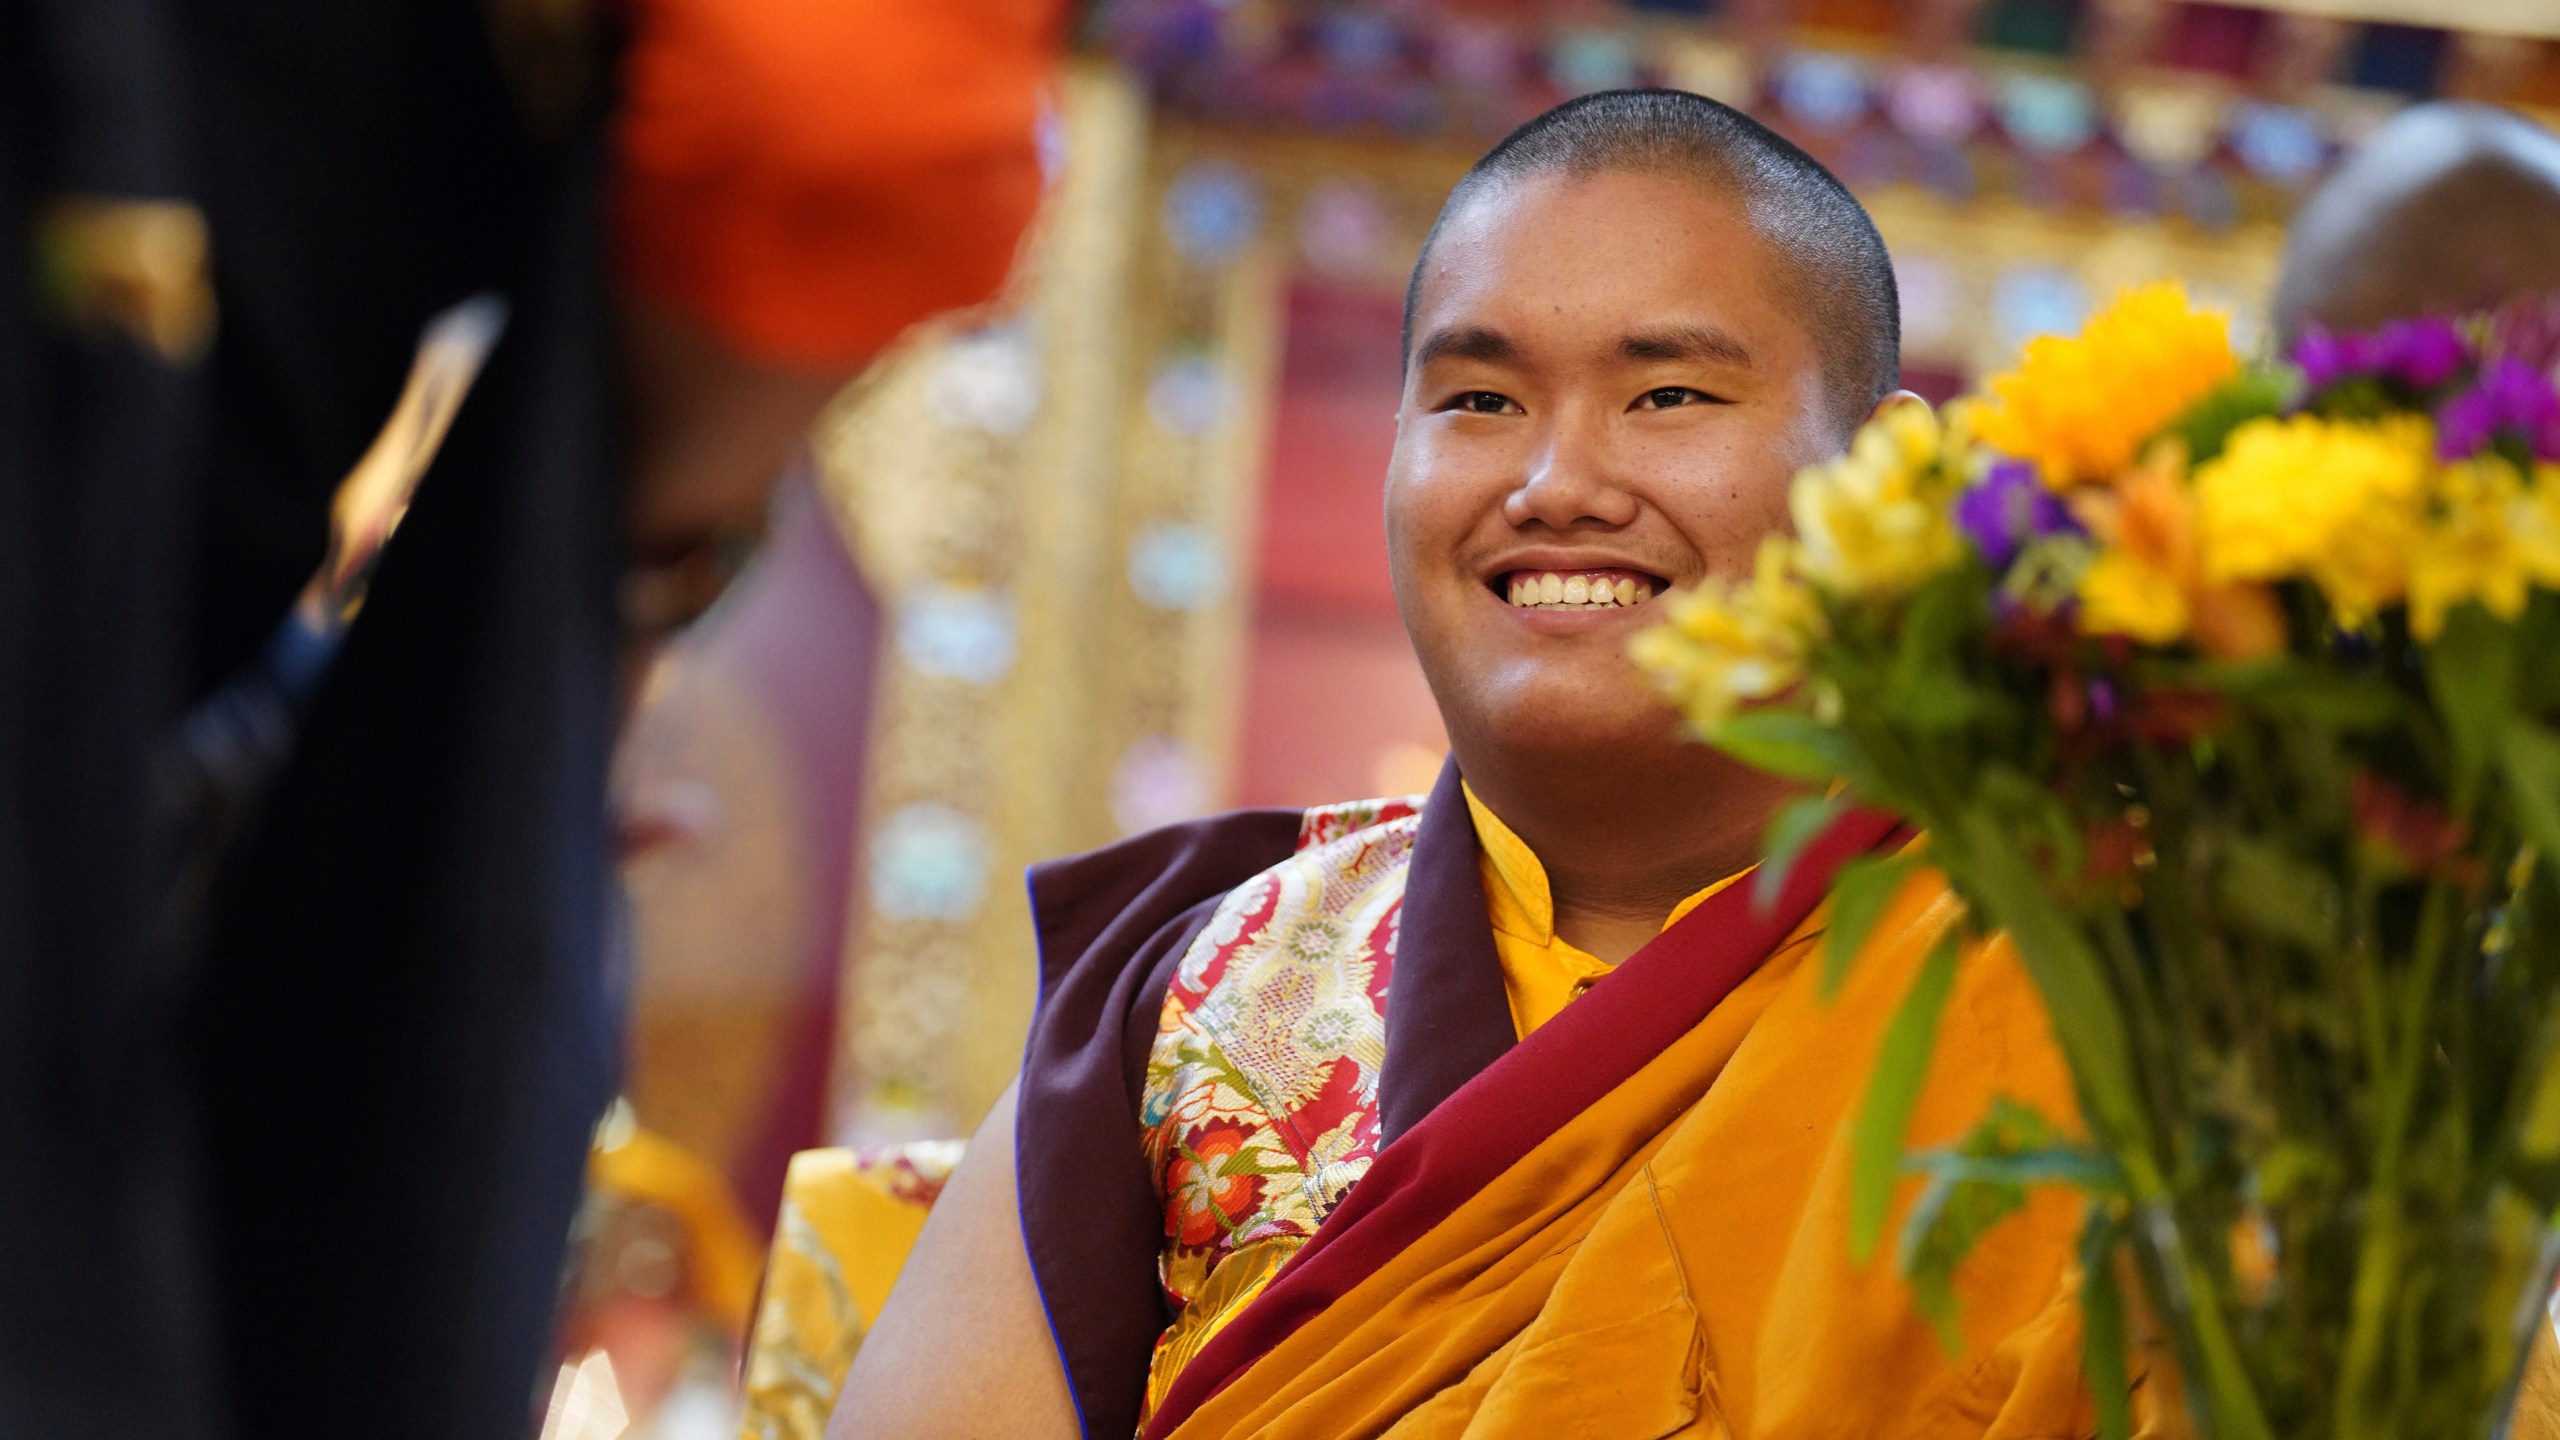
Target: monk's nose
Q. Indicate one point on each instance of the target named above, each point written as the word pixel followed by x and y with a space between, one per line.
pixel 1569 485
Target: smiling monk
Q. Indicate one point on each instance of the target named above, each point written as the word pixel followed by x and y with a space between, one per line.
pixel 1512 1109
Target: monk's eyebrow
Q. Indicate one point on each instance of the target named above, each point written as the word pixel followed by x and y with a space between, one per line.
pixel 1687 342
pixel 1466 342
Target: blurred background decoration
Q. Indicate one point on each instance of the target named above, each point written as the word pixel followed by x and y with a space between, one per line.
pixel 1110 556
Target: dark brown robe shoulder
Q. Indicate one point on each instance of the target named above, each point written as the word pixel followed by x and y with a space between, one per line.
pixel 1112 924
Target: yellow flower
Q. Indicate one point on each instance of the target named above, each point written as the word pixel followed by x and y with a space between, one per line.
pixel 1730 644
pixel 2127 595
pixel 2148 580
pixel 1874 522
pixel 2080 408
pixel 2537 526
pixel 2337 502
pixel 2489 540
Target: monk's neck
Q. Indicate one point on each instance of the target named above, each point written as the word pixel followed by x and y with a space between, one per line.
pixel 1621 850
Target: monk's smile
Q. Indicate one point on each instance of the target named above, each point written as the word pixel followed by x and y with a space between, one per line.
pixel 1550 590
pixel 1576 593
pixel 1605 397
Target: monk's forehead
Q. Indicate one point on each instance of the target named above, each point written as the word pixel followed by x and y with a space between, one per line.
pixel 1604 247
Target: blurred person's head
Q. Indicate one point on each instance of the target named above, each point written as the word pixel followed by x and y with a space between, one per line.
pixel 2448 208
pixel 1634 320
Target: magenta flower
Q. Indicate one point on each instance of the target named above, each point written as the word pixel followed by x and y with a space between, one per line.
pixel 2326 356
pixel 2511 399
pixel 2007 508
pixel 2421 354
pixel 2103 707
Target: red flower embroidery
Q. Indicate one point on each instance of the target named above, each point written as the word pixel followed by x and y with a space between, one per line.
pixel 1210 1185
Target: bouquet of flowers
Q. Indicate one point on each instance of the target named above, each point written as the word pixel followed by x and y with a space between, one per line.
pixel 2231 693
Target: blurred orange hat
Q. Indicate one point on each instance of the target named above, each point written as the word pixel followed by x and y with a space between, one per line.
pixel 810 177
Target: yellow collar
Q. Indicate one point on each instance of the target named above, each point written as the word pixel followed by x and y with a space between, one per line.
pixel 1540 971
pixel 1521 904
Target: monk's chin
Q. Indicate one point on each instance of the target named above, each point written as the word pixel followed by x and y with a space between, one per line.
pixel 1639 731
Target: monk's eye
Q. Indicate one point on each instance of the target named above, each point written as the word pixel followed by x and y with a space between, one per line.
pixel 1481 402
pixel 1671 396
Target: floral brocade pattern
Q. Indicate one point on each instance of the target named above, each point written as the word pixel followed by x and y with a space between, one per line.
pixel 1261 1103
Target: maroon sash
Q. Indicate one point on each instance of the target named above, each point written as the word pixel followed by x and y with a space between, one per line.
pixel 1495 1119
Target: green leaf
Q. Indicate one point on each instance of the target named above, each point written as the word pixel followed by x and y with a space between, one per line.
pixel 2086 1017
pixel 1858 897
pixel 2041 1160
pixel 1784 743
pixel 2533 772
pixel 2537 1136
pixel 2027 810
pixel 2537 1181
pixel 1796 825
pixel 1893 1091
pixel 1927 692
pixel 1949 1218
pixel 2362 398
pixel 2298 691
pixel 2471 671
pixel 2103 1334
pixel 1974 1186
pixel 2295 1168
pixel 2271 893
pixel 2538 633
pixel 2253 393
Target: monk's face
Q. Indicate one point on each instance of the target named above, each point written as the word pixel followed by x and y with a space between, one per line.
pixel 1607 396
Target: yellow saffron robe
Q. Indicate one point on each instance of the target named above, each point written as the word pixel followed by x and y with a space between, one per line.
pixel 1676 1260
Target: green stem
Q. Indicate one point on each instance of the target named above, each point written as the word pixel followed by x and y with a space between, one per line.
pixel 2377 1285
pixel 2228 1397
pixel 2235 1399
pixel 2146 1030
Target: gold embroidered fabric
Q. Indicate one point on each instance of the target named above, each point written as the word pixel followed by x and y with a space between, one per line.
pixel 847 1223
pixel 1260 1106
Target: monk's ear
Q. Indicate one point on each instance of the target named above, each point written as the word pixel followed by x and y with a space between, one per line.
pixel 1896 400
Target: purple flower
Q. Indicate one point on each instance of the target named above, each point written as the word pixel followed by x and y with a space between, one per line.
pixel 2102 702
pixel 2421 353
pixel 2510 399
pixel 2326 357
pixel 2007 508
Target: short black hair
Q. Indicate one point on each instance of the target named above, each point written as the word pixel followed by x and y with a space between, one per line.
pixel 1833 262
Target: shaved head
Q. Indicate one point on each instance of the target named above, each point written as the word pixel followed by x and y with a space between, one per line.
pixel 2449 208
pixel 1830 262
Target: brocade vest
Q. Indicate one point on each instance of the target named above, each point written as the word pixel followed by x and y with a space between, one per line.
pixel 1236 1016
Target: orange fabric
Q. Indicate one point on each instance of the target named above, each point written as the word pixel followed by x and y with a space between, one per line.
pixel 1542 972
pixel 1676 1262
pixel 721 1255
pixel 810 177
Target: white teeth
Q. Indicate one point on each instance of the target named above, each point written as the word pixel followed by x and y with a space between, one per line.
pixel 1549 590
